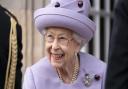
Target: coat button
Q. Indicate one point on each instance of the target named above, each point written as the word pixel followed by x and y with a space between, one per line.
pixel 97 77
pixel 57 4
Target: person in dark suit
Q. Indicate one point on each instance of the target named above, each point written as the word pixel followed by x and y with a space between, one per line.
pixel 117 72
pixel 10 51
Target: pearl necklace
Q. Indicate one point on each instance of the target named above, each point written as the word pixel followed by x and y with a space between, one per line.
pixel 75 72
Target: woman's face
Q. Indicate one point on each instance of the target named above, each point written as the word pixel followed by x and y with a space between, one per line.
pixel 60 46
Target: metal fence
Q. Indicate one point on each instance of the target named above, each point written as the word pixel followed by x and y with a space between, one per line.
pixel 101 13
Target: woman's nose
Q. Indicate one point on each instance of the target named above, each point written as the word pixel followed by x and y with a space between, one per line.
pixel 55 44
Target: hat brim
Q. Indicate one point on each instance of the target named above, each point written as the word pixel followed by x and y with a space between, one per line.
pixel 60 17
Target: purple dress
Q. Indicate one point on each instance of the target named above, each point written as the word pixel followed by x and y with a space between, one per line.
pixel 43 76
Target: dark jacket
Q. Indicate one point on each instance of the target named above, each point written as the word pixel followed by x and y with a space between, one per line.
pixel 4 48
pixel 117 72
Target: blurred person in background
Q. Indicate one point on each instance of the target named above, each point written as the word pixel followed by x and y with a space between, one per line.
pixel 10 51
pixel 117 72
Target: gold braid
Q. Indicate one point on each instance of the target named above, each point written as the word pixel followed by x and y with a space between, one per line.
pixel 12 59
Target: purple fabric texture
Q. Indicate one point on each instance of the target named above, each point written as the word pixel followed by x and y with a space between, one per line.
pixel 69 15
pixel 43 76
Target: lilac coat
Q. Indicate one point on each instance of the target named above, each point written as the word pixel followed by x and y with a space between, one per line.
pixel 43 76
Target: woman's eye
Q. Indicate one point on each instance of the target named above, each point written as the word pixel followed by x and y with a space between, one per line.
pixel 49 36
pixel 62 38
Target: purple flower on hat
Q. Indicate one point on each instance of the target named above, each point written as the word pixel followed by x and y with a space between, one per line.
pixel 57 4
pixel 80 3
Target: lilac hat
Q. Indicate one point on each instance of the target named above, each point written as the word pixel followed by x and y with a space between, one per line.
pixel 71 14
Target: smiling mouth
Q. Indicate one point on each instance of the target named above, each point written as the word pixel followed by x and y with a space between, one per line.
pixel 57 56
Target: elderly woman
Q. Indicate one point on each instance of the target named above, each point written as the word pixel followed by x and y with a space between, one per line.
pixel 66 28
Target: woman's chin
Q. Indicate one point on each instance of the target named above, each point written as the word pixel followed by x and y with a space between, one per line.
pixel 57 61
pixel 57 65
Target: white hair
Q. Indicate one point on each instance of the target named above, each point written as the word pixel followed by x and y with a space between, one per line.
pixel 80 40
